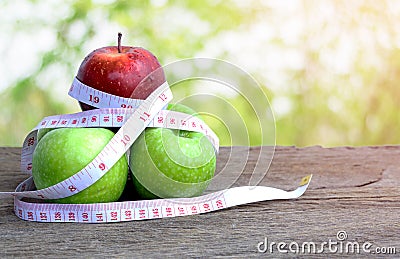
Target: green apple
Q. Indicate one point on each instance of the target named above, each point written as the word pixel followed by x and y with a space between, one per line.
pixel 63 152
pixel 169 163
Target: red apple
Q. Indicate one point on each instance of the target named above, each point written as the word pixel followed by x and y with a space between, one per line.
pixel 121 70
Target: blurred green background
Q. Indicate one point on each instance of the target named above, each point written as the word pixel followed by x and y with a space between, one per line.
pixel 330 69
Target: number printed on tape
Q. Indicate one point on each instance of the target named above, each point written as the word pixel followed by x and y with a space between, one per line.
pixel 151 209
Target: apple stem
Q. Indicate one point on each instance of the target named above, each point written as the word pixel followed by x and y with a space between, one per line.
pixel 119 42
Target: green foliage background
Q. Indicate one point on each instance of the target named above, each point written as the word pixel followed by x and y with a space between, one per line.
pixel 329 68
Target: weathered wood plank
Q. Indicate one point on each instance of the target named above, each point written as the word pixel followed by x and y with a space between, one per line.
pixel 353 189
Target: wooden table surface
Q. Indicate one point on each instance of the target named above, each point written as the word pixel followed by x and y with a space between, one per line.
pixel 354 192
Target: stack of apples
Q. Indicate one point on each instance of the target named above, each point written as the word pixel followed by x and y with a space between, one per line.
pixel 186 159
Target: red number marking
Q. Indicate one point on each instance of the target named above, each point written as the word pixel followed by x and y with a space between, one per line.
pixel 128 214
pixel 125 139
pixel 142 213
pixel 181 211
pixel 168 210
pixel 99 217
pixel 194 209
pixel 72 188
pixel 206 207
pixel 114 215
pixel 126 106
pixel 102 166
pixel 43 216
pixel 71 216
pixel 156 213
pixel 85 216
pixel 30 215
pixel 163 97
pixel 145 115
pixel 57 215
pixel 94 99
pixel 219 204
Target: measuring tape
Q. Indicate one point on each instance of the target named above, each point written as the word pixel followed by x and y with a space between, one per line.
pixel 100 99
pixel 132 121
pixel 112 117
pixel 152 209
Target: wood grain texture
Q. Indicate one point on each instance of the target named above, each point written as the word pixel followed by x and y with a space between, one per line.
pixel 353 189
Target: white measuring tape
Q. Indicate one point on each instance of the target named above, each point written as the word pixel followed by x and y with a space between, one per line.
pixel 152 209
pixel 143 113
